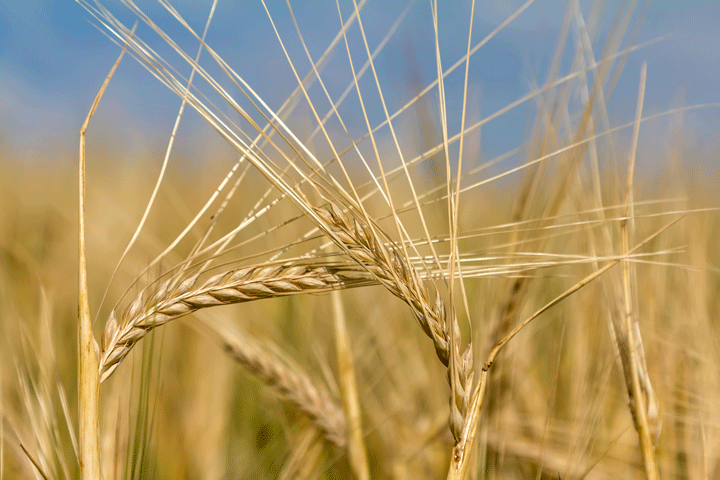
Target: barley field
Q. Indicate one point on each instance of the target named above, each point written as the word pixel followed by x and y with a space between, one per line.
pixel 353 252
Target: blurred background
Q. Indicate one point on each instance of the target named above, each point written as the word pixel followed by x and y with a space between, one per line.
pixel 53 60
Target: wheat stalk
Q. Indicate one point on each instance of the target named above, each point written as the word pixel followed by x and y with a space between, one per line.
pixel 235 286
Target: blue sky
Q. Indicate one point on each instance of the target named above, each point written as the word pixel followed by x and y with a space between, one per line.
pixel 52 61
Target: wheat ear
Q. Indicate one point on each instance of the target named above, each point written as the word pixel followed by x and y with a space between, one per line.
pixel 289 381
pixel 236 286
pixel 392 270
pixel 389 267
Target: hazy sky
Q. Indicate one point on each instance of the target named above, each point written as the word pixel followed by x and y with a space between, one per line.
pixel 52 60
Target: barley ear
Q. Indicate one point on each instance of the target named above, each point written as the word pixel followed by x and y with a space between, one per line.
pixel 235 286
pixel 286 378
pixel 385 262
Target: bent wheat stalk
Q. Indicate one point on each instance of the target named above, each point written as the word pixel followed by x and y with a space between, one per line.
pixel 360 241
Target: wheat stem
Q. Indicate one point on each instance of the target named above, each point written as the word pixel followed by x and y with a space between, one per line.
pixel 88 377
pixel 349 391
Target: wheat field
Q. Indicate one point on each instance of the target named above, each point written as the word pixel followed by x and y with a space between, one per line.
pixel 358 267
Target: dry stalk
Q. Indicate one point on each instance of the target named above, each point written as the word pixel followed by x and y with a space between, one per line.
pixel 305 458
pixel 349 393
pixel 236 286
pixel 392 270
pixel 641 396
pixel 640 392
pixel 88 378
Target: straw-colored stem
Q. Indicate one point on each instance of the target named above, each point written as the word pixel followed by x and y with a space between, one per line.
pixel 88 375
pixel 305 457
pixel 630 359
pixel 349 392
pixel 629 343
